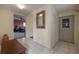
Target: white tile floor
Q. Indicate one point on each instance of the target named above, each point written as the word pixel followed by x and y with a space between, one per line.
pixel 64 48
pixel 33 47
pixel 60 48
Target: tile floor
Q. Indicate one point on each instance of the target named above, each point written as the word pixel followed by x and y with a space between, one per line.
pixel 64 48
pixel 60 48
pixel 33 47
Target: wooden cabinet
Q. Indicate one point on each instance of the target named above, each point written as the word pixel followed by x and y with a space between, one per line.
pixel 12 47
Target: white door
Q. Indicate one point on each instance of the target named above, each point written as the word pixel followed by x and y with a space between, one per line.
pixel 66 28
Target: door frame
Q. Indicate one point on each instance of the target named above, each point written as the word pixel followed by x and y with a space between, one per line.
pixel 24 28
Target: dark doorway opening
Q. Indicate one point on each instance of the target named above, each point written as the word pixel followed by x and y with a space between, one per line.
pixel 19 26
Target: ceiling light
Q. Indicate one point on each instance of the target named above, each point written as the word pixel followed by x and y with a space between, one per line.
pixel 40 14
pixel 24 24
pixel 21 6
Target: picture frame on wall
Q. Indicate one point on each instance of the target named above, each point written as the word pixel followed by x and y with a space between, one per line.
pixel 40 19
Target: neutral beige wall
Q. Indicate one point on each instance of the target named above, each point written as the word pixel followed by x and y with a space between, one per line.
pixel 29 25
pixel 6 22
pixel 66 13
pixel 77 29
pixel 48 36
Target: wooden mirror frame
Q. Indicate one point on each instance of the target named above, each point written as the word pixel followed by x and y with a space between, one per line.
pixel 42 19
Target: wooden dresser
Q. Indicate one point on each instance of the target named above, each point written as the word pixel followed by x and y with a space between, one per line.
pixel 12 47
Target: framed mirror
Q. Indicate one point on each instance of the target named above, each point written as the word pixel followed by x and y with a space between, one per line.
pixel 40 19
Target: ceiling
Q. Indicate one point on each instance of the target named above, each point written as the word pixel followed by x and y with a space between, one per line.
pixel 31 7
pixel 64 7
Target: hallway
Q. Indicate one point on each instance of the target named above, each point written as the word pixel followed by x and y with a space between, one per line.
pixel 60 48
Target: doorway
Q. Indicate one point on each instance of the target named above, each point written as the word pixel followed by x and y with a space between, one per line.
pixel 19 26
pixel 66 28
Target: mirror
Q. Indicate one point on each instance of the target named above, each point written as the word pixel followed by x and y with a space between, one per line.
pixel 40 19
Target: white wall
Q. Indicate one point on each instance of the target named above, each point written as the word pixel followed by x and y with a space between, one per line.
pixel 6 22
pixel 47 36
pixel 29 26
pixel 54 29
